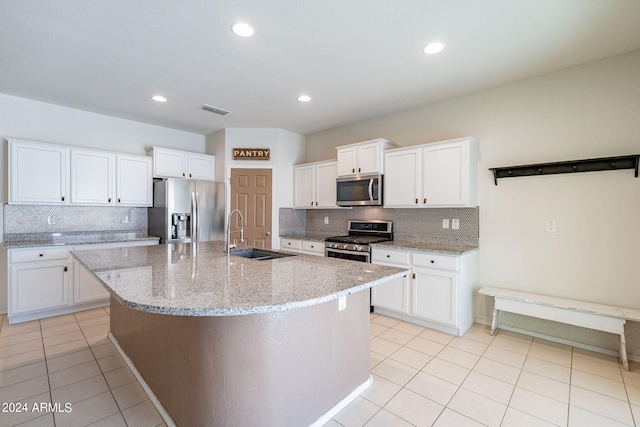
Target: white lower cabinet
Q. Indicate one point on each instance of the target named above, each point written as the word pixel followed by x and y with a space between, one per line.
pixel 438 293
pixel 47 281
pixel 433 295
pixel 308 247
pixel 37 286
pixel 393 295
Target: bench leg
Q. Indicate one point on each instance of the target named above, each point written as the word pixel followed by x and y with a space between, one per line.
pixel 623 352
pixel 494 321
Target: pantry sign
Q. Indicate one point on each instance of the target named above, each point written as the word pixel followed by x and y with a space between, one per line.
pixel 251 153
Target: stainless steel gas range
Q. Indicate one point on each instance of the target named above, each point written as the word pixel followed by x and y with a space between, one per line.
pixel 356 245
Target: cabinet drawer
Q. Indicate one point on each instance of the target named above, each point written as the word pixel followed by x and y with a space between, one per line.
pixel 385 256
pixel 444 262
pixel 37 254
pixel 290 244
pixel 313 246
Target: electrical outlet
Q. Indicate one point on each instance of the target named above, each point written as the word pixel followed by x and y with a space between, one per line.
pixel 51 220
pixel 342 302
pixel 445 223
pixel 455 224
pixel 125 218
pixel 551 225
pixel 326 220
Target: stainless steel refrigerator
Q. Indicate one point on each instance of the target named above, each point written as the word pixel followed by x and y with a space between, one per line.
pixel 186 210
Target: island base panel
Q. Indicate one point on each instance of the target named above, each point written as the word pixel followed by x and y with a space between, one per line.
pixel 281 368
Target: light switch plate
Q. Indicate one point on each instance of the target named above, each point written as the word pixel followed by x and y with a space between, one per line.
pixel 455 224
pixel 326 220
pixel 445 223
pixel 551 225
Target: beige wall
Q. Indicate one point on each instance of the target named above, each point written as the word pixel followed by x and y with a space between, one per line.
pixel 583 112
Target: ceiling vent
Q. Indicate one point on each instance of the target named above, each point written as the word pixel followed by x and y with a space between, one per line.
pixel 212 109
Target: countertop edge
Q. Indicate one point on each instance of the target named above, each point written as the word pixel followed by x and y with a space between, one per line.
pixel 25 244
pixel 241 310
pixel 426 247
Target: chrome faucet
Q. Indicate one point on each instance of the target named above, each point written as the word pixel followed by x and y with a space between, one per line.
pixel 229 229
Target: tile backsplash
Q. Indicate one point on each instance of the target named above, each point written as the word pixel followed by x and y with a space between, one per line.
pixel 20 219
pixel 408 224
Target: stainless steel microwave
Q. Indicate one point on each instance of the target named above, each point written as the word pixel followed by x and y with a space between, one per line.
pixel 359 190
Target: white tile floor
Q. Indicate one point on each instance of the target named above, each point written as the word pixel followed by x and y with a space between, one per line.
pixel 69 359
pixel 424 377
pixel 421 378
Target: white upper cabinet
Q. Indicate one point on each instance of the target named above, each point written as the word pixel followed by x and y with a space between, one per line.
pixel 52 174
pixel 362 158
pixel 38 173
pixel 401 182
pixel 168 163
pixel 93 176
pixel 303 186
pixel 314 185
pixel 326 174
pixel 201 166
pixel 99 178
pixel 134 183
pixel 441 174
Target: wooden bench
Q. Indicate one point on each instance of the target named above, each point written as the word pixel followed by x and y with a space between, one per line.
pixel 585 314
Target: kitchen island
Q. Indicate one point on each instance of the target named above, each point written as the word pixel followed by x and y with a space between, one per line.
pixel 233 341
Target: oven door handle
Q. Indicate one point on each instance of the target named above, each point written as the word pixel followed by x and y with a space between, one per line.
pixel 340 251
pixel 371 189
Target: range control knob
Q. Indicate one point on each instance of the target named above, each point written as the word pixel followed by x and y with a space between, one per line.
pixel 345 247
pixel 359 248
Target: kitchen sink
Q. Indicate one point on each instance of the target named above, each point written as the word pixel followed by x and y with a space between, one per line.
pixel 259 254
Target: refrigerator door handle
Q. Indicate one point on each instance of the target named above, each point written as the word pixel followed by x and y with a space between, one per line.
pixel 194 218
pixel 197 217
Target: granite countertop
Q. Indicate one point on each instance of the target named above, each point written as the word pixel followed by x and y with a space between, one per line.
pixel 312 236
pixel 436 246
pixel 69 239
pixel 171 279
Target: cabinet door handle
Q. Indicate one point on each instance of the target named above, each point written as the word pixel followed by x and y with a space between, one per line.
pixel 63 198
pixel 353 170
pixel 189 175
pixel 414 276
pixel 41 255
pixel 433 261
pixel 359 170
pixel 416 201
pixel 118 199
pixel 65 268
pixel 425 200
pixel 312 203
pixel 388 256
pixel 109 200
pixel 316 203
pixel 183 174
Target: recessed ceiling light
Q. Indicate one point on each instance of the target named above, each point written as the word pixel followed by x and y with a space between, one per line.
pixel 304 98
pixel 159 98
pixel 433 48
pixel 242 29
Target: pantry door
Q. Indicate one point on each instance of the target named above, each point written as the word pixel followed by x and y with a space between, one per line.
pixel 251 194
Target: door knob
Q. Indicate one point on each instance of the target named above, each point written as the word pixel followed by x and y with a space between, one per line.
pixel 268 233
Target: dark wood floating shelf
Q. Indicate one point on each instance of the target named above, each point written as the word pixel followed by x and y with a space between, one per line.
pixel 589 165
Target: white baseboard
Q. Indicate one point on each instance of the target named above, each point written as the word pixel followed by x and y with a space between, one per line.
pixel 576 344
pixel 343 403
pixel 163 413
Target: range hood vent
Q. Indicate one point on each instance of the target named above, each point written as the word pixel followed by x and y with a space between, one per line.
pixel 212 109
